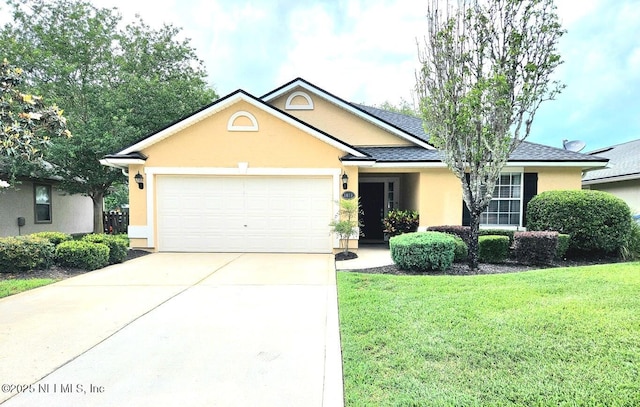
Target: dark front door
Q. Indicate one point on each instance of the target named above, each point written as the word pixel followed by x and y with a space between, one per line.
pixel 372 203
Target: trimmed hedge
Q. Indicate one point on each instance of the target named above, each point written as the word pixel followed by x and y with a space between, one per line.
pixel 54 237
pixel 82 254
pixel 535 247
pixel 25 253
pixel 463 232
pixel 423 251
pixel 498 232
pixel 493 249
pixel 398 222
pixel 563 245
pixel 461 252
pixel 597 221
pixel 118 247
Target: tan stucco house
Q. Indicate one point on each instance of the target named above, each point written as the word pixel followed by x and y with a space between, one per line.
pixel 37 205
pixel 264 174
pixel 622 175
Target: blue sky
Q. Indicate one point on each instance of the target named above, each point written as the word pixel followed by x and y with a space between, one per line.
pixel 365 51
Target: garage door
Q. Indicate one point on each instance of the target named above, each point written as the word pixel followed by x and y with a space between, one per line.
pixel 244 214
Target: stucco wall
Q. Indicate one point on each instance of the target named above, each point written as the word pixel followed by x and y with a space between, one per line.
pixel 340 123
pixel 70 213
pixel 557 178
pixel 629 191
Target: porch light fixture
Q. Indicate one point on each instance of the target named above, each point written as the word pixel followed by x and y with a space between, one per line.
pixel 345 179
pixel 139 180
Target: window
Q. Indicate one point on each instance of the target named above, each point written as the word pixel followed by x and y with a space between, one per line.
pixel 504 208
pixel 42 203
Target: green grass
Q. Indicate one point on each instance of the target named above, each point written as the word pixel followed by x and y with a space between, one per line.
pixel 11 287
pixel 555 337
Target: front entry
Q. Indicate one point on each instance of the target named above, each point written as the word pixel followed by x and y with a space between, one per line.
pixel 372 203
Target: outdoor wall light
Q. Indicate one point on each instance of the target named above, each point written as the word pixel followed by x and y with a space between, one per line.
pixel 345 179
pixel 139 180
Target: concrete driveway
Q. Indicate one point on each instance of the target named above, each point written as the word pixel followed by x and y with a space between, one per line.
pixel 173 329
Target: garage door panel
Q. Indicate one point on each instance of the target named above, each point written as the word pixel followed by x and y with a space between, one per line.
pixel 237 214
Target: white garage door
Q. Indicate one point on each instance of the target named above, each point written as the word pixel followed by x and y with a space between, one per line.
pixel 244 214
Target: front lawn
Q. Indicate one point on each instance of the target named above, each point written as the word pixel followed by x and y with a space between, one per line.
pixel 10 287
pixel 568 336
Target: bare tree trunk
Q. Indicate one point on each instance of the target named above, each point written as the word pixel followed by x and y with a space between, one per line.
pixel 474 246
pixel 98 217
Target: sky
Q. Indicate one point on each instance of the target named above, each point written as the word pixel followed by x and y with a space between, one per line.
pixel 365 51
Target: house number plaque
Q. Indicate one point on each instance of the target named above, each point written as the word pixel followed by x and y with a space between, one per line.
pixel 348 195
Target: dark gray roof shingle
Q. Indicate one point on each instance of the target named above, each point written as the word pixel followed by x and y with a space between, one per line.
pixel 527 151
pixel 624 160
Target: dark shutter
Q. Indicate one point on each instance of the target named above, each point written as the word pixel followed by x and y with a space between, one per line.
pixel 530 190
pixel 466 215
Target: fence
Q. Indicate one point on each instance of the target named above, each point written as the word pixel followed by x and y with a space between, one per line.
pixel 116 222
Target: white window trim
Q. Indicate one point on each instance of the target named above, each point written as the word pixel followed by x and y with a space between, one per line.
pixel 242 113
pixel 305 95
pixel 507 170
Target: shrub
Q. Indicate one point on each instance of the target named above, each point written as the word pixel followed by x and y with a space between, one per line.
pixel 563 245
pixel 596 221
pixel 493 249
pixel 423 251
pixel 118 247
pixel 54 237
pixel 631 248
pixel 82 254
pixel 498 232
pixel 535 247
pixel 25 253
pixel 463 232
pixel 398 222
pixel 461 252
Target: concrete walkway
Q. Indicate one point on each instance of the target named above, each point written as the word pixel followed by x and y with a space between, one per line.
pixel 178 329
pixel 371 255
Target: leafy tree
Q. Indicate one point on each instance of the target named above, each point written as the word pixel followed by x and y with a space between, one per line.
pixel 27 125
pixel 117 83
pixel 346 223
pixel 486 68
pixel 404 107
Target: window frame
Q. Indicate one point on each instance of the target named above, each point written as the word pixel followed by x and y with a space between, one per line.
pixel 520 199
pixel 35 203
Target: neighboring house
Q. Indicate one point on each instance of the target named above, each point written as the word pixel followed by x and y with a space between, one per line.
pixel 264 174
pixel 622 175
pixel 36 205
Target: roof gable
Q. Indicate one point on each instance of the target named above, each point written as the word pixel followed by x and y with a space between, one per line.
pixel 224 103
pixel 355 109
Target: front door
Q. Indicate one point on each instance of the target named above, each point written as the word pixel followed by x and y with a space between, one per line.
pixel 372 203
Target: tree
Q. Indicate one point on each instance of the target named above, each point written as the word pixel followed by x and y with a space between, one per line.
pixel 486 68
pixel 346 224
pixel 404 107
pixel 117 83
pixel 27 125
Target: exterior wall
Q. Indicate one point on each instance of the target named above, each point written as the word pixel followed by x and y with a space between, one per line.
pixel 69 213
pixel 629 191
pixel 410 191
pixel 341 123
pixel 208 147
pixel 440 198
pixel 557 178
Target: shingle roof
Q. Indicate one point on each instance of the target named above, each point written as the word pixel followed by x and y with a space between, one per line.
pixel 624 161
pixel 527 151
pixel 410 124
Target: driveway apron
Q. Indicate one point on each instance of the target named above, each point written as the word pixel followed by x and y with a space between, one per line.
pixel 178 329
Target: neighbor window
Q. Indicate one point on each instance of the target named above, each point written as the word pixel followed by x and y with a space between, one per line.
pixel 504 208
pixel 43 203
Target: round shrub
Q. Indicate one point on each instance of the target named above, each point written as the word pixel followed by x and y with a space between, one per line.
pixel 82 254
pixel 25 253
pixel 54 237
pixel 596 221
pixel 493 249
pixel 423 251
pixel 461 252
pixel 118 247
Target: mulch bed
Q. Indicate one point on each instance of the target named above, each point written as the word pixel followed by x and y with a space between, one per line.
pixel 462 269
pixel 60 273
